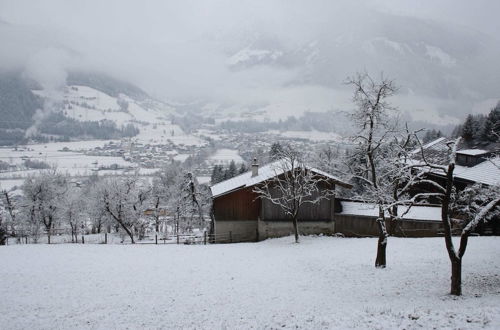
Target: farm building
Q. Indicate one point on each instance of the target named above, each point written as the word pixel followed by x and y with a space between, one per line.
pixel 473 166
pixel 240 215
pixel 357 219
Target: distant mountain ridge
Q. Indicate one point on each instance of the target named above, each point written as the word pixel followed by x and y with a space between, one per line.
pixel 442 66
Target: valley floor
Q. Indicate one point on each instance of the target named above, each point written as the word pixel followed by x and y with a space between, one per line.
pixel 321 283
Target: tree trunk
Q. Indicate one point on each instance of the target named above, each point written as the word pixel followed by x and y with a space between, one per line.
pixel 157 230
pixel 129 234
pixel 3 236
pixel 296 229
pixel 456 277
pixel 380 261
pixel 128 231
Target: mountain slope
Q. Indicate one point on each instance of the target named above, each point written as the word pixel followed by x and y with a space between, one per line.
pixel 100 107
pixel 444 70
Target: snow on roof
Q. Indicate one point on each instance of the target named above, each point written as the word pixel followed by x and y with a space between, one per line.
pixel 487 172
pixel 472 152
pixel 266 172
pixel 424 213
pixel 437 144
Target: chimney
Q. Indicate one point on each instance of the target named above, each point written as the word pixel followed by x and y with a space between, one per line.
pixel 255 168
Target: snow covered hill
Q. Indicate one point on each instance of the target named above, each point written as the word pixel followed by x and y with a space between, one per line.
pixel 85 103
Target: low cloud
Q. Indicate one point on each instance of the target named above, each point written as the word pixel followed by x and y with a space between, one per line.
pixel 181 50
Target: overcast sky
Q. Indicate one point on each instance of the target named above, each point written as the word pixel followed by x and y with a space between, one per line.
pixel 181 49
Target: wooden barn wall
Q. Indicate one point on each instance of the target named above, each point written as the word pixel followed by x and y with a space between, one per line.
pixel 322 211
pixel 362 226
pixel 239 205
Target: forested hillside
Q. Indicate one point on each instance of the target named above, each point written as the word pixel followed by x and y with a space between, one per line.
pixel 17 103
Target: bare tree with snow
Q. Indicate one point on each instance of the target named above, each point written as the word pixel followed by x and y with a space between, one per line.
pixel 477 204
pixel 9 221
pixel 124 201
pixel 43 195
pixel 374 128
pixel 293 185
pixel 3 227
pixel 71 210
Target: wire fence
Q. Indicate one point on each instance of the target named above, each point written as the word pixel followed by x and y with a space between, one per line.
pixel 61 237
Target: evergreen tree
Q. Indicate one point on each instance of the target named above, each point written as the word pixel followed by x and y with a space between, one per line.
pixel 217 174
pixel 243 168
pixel 432 135
pixel 275 151
pixel 457 131
pixel 469 128
pixel 491 128
pixel 232 170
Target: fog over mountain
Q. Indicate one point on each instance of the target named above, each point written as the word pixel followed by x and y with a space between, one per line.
pixel 274 57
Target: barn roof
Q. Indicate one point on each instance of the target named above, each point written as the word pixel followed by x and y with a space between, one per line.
pixel 472 152
pixel 487 172
pixel 266 172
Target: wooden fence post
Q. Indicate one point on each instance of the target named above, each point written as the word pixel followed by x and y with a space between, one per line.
pixel 83 239
pixel 205 238
pixel 105 238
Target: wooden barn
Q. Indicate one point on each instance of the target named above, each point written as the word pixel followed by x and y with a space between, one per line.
pixel 240 215
pixel 358 219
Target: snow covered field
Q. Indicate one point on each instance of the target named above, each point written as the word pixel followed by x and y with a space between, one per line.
pixel 321 283
pixel 225 156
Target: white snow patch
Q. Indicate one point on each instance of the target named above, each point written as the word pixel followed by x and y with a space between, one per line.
pixel 225 156
pixel 312 135
pixel 321 283
pixel 253 55
pixel 428 213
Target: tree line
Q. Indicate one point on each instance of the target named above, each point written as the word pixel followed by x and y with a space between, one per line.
pixel 221 173
pixel 129 205
pixel 480 129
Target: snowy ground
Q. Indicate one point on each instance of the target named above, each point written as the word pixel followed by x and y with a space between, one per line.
pixel 322 283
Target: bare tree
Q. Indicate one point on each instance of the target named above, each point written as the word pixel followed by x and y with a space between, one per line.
pixel 3 228
pixel 477 203
pixel 293 185
pixel 372 119
pixel 158 204
pixel 43 195
pixel 95 207
pixel 122 201
pixel 71 209
pixel 9 218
